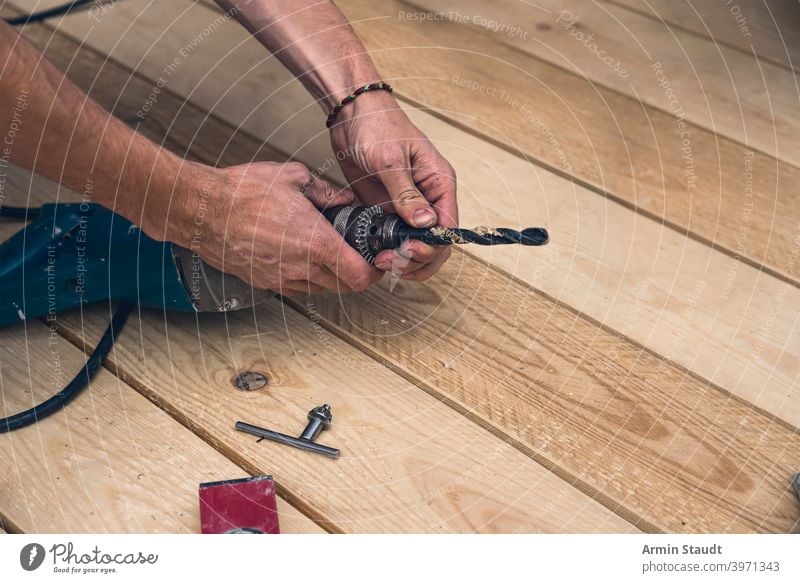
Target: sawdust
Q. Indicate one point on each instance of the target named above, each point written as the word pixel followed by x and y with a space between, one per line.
pixel 445 233
pixel 485 231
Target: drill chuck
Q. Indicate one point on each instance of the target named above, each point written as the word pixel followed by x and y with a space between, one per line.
pixel 370 230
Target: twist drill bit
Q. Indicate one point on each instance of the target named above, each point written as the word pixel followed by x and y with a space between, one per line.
pixel 480 236
pixel 371 230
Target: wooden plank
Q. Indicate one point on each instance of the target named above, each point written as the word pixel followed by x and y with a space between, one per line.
pixel 409 463
pixel 559 386
pixel 771 29
pixel 632 152
pixel 717 88
pixel 662 428
pixel 111 462
pixel 708 312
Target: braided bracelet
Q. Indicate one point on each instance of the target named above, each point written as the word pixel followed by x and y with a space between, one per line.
pixel 379 86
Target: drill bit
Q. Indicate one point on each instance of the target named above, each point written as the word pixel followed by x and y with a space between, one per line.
pixel 480 236
pixel 370 230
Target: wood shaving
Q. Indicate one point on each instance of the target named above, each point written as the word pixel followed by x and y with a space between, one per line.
pixel 485 231
pixel 446 233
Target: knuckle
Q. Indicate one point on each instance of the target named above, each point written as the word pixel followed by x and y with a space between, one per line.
pixel 294 272
pixel 360 282
pixel 297 170
pixel 391 159
pixel 408 197
pixel 321 251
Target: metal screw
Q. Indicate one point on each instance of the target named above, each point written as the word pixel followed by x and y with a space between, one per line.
pixel 250 381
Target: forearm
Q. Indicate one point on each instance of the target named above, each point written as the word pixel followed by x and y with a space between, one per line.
pixel 313 39
pixel 56 130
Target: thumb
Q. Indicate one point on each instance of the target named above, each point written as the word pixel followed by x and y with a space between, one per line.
pixel 408 202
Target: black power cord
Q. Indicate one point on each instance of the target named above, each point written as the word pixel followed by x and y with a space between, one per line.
pixel 89 370
pixel 76 385
pixel 45 14
pixel 19 212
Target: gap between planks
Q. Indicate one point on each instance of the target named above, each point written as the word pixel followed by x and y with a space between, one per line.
pixel 703 79
pixel 768 54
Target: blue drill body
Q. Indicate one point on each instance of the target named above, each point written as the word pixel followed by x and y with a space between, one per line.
pixel 79 253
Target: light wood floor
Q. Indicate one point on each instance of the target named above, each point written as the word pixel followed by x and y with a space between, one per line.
pixel 638 374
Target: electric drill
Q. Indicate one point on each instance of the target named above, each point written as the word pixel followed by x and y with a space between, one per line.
pixel 78 253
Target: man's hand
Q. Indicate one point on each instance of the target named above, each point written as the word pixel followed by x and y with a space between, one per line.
pixel 388 161
pixel 261 222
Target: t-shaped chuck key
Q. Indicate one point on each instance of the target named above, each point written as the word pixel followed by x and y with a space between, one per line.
pixel 319 418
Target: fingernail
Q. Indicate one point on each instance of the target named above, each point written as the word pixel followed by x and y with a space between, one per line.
pixel 383 265
pixel 424 218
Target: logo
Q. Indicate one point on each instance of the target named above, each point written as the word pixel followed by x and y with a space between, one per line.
pixel 31 556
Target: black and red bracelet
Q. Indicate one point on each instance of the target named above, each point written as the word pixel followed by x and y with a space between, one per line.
pixel 378 86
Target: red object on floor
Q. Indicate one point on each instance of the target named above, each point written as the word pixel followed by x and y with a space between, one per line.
pixel 240 506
